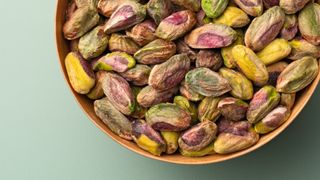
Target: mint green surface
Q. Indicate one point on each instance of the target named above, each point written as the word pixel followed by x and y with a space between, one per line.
pixel 44 135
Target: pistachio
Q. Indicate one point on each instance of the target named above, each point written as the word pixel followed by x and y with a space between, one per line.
pixel 234 136
pixel 270 3
pixel 176 25
pixel 277 50
pixel 159 9
pixel 233 109
pixel 274 71
pixel 214 8
pixel 241 87
pixel 208 109
pixel 203 152
pixel 302 48
pixel 155 52
pixel 202 18
pixel 193 5
pixel 187 92
pixel 107 7
pixel 116 61
pixel 82 3
pixel 198 137
pixel 74 45
pixel 171 139
pixel 298 75
pixel 249 63
pixel 288 100
pixel 116 121
pixel 168 117
pixel 211 36
pixel 185 104
pixel 119 93
pixel 264 29
pixel 226 52
pixel 82 78
pixel 233 17
pixel 143 33
pixel 290 27
pixel 139 111
pixel 150 96
pixel 138 75
pixel 251 7
pixel 309 23
pixel 81 21
pixel 72 7
pixel 211 59
pixel 126 15
pixel 122 43
pixel 292 6
pixel 97 91
pixel 183 48
pixel 170 73
pixel 273 120
pixel 264 101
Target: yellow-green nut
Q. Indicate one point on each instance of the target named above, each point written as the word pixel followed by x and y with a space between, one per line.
pixel 214 8
pixel 302 48
pixel 233 109
pixel 288 100
pixel 149 96
pixel 251 7
pixel 159 9
pixel 81 76
pixel 241 87
pixel 193 5
pixel 277 50
pixel 138 75
pixel 292 6
pixel 250 64
pixel 171 139
pixel 190 94
pixel 116 61
pixel 203 152
pixel 147 138
pixel 122 43
pixel 233 17
pixel 97 91
pixel 298 75
pixel 208 109
pixel 139 111
pixel 273 120
pixel 226 52
pixel 274 71
pixel 188 106
pixel 264 101
pixel 202 18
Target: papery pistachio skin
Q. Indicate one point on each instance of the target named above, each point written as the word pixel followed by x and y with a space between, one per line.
pixel 147 138
pixel 226 52
pixel 207 82
pixel 309 23
pixel 176 25
pixel 274 71
pixel 273 120
pixel 292 6
pixel 241 87
pixel 113 118
pixel 119 93
pixel 251 7
pixel 302 48
pixel 204 152
pixel 107 7
pixel 298 75
pixel 251 66
pixel 126 15
pixel 233 17
pixel 290 27
pixel 139 111
pixel 183 48
pixel 171 139
pixel 198 137
pixel 81 21
pixel 168 117
pixel 170 73
pixel 202 18
pixel 193 5
pixel 211 59
pixel 157 51
pixel 159 9
pixel 211 36
pixel 74 45
pixel 122 43
pixel 264 29
pixel 82 3
pixel 208 109
pixel 72 7
pixel 138 75
pixel 149 96
pixel 214 8
pixel 93 44
pixel 81 77
pixel 233 109
pixel 234 136
pixel 187 92
pixel 277 50
pixel 143 33
pixel 264 101
pixel 270 3
pixel 188 106
pixel 97 91
pixel 116 61
pixel 288 100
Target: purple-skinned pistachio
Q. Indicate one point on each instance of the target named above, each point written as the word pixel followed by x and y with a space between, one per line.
pixel 292 6
pixel 138 75
pixel 251 7
pixel 193 5
pixel 149 96
pixel 214 8
pixel 211 36
pixel 97 91
pixel 122 43
pixel 208 109
pixel 143 33
pixel 187 92
pixel 290 27
pixel 168 117
pixel 107 7
pixel 116 61
pixel 270 3
pixel 74 45
pixel 301 48
pixel 176 25
pixel 183 48
pixel 202 18
pixel 211 59
pixel 274 71
pixel 170 73
pixel 233 109
pixel 159 9
pixel 198 137
pixel 72 7
pixel 288 100
pixel 91 3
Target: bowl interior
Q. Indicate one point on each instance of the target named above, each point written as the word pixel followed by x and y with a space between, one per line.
pixel 87 106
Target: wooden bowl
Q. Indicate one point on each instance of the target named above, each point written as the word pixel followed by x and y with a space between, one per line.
pixel 87 106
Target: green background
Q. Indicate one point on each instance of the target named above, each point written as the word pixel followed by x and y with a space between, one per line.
pixel 45 135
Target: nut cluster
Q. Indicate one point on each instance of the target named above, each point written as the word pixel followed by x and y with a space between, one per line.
pixel 194 76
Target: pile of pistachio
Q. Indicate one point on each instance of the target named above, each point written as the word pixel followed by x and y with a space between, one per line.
pixel 192 76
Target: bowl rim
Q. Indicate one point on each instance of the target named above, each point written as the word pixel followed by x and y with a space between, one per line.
pixel 267 138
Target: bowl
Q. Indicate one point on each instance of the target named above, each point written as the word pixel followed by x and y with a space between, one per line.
pixel 87 106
